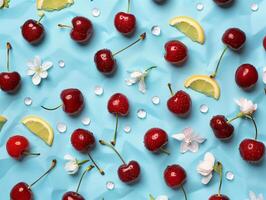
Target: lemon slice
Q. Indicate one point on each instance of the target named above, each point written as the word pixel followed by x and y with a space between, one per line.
pixel 40 128
pixel 50 5
pixel 204 84
pixel 2 121
pixel 190 27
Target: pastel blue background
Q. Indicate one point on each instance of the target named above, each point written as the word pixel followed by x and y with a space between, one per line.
pixel 80 72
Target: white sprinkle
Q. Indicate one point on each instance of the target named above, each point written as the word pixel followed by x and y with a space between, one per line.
pixel 86 121
pixel 142 114
pixel 61 63
pixel 127 129
pixel 254 7
pixel 156 30
pixel 27 101
pixel 229 176
pixel 110 185
pixel 61 127
pixel 95 12
pixel 155 100
pixel 98 90
pixel 200 6
pixel 204 108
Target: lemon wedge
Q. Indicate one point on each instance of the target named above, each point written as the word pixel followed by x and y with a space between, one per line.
pixel 204 84
pixel 190 27
pixel 40 128
pixel 2 121
pixel 50 5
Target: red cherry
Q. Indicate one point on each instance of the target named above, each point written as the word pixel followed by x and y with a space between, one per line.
pixel 246 76
pixel 33 31
pixel 125 23
pixel 223 2
pixel 252 150
pixel 155 139
pixel 219 197
pixel 9 81
pixel 175 176
pixel 180 103
pixel 105 61
pixel 176 52
pixel 17 146
pixel 129 173
pixel 73 101
pixel 234 38
pixel 72 196
pixel 221 128
pixel 21 191
pixel 118 104
pixel 264 42
pixel 82 140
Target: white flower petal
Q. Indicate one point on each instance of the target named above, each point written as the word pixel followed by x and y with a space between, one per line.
pixel 188 132
pixel 260 197
pixel 30 72
pixel 205 180
pixel 36 79
pixel 246 106
pixel 43 74
pixel 204 169
pixel 71 167
pixel 264 75
pixel 37 61
pixel 252 195
pixel 69 157
pixel 130 82
pixel 46 65
pixel 209 158
pixel 193 147
pixel 142 86
pixel 179 136
pixel 184 147
pixel 162 197
pixel 136 75
pixel 31 64
pixel 199 139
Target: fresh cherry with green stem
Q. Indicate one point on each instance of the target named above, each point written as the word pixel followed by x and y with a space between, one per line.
pixel 9 81
pixel 72 101
pixel 75 195
pixel 218 168
pixel 125 22
pixel 22 191
pixel 17 147
pixel 127 172
pixel 221 127
pixel 118 105
pixel 105 60
pixel 175 176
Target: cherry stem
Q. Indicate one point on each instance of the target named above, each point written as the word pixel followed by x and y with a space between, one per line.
pixel 219 62
pixel 142 37
pixel 170 88
pixel 150 68
pixel 102 142
pixel 255 125
pixel 47 172
pixel 26 153
pixel 40 19
pixel 151 197
pixel 65 26
pixel 128 6
pixel 50 109
pixel 164 151
pixel 239 115
pixel 8 48
pixel 82 176
pixel 99 169
pixel 83 162
pixel 113 142
pixel 184 191
pixel 221 179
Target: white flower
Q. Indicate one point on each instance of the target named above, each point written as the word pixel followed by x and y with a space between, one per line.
pixel 72 165
pixel 246 106
pixel 264 75
pixel 38 70
pixel 162 197
pixel 190 141
pixel 205 167
pixel 252 196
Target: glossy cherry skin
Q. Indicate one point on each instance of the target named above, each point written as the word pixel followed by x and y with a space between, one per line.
pixel 155 139
pixel 10 81
pixel 223 2
pixel 125 23
pixel 129 173
pixel 234 38
pixel 82 29
pixel 175 52
pixel 72 196
pixel 175 176
pixel 105 61
pixel 252 150
pixel 246 76
pixel 118 104
pixel 180 104
pixel 264 43
pixel 221 129
pixel 21 191
pixel 32 31
pixel 82 140
pixel 16 146
pixel 73 101
pixel 219 197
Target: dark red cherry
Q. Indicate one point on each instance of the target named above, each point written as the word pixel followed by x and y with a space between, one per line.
pixel 105 61
pixel 82 140
pixel 82 29
pixel 155 139
pixel 130 172
pixel 252 151
pixel 118 104
pixel 223 2
pixel 264 43
pixel 17 146
pixel 125 23
pixel 219 197
pixel 73 101
pixel 221 128
pixel 10 81
pixel 234 38
pixel 72 196
pixel 21 191
pixel 175 52
pixel 175 176
pixel 32 31
pixel 246 76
